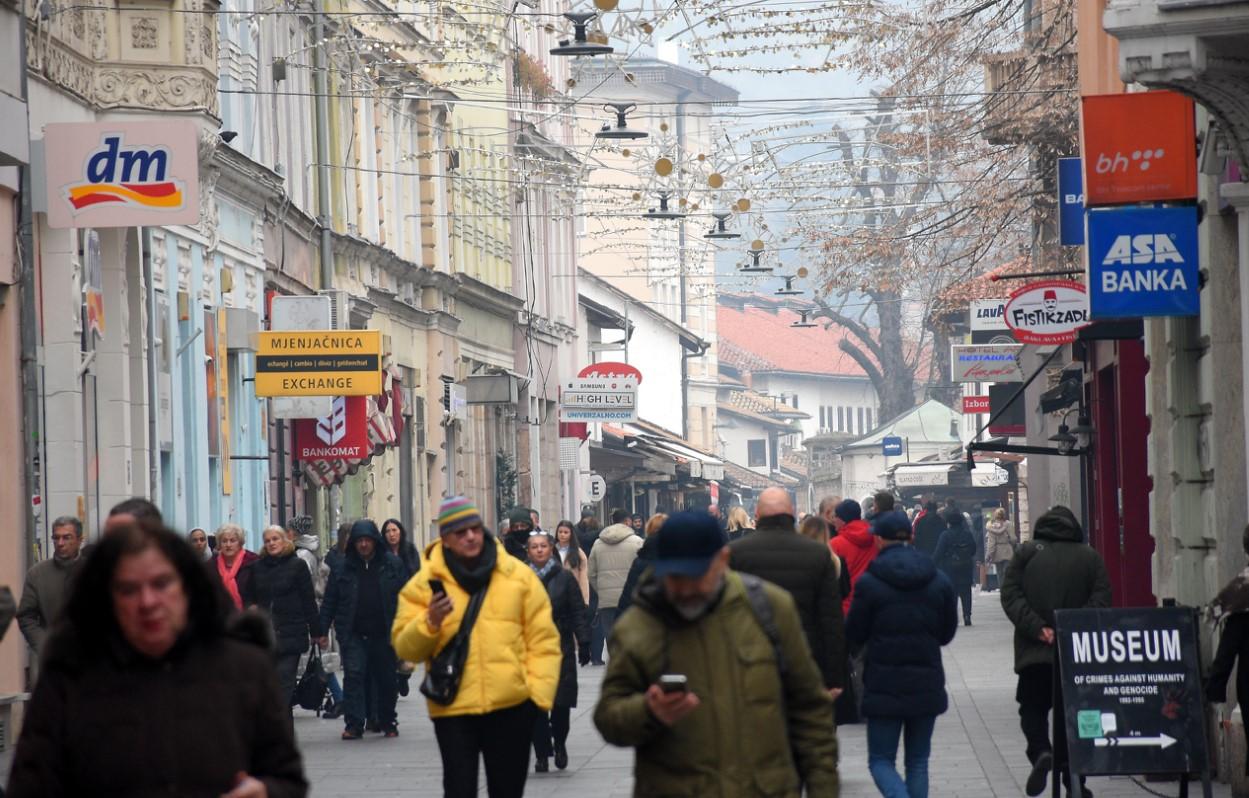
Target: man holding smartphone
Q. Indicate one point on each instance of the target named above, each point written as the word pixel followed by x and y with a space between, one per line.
pixel 698 671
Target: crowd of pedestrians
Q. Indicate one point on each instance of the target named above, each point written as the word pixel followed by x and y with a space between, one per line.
pixel 713 623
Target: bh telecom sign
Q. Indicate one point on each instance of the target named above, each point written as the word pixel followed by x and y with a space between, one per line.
pixel 319 363
pixel 1142 262
pixel 122 174
pixel 1139 147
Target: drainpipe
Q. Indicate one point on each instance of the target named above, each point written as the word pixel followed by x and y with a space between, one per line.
pixel 32 440
pixel 321 101
pixel 153 388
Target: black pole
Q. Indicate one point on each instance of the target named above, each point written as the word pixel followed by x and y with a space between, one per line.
pixel 281 472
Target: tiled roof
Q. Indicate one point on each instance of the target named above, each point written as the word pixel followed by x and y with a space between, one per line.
pixel 752 479
pixel 764 405
pixel 795 462
pixel 755 339
pixel 961 294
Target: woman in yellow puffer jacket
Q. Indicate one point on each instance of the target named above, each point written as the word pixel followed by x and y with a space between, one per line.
pixel 513 663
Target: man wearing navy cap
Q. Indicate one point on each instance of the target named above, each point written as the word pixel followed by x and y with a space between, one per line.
pixel 700 665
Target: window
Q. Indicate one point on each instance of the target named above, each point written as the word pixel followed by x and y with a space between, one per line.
pixel 860 416
pixel 757 453
pixel 823 417
pixel 841 419
pixel 795 402
pixel 870 425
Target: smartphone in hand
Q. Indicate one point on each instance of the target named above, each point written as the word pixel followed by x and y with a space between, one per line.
pixel 673 683
pixel 436 586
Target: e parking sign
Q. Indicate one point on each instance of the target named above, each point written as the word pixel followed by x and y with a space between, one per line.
pixel 1142 262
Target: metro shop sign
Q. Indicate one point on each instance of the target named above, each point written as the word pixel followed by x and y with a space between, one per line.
pixel 1143 262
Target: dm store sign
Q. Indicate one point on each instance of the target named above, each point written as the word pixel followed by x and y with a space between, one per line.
pixel 1142 262
pixel 122 174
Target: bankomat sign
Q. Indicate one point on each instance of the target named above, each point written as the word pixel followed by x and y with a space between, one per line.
pixel 122 174
pixel 1143 262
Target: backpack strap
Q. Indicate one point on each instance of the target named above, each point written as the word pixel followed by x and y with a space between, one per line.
pixel 762 609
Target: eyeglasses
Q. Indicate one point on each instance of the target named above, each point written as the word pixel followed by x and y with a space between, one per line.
pixel 459 533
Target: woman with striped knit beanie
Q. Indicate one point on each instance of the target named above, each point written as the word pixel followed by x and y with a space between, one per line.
pixel 512 666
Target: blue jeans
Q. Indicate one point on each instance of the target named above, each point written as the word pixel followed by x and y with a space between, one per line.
pixel 882 754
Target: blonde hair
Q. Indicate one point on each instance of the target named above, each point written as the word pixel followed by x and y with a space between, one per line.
pixel 226 530
pixel 656 521
pixel 815 528
pixel 738 518
pixel 999 514
pixel 286 539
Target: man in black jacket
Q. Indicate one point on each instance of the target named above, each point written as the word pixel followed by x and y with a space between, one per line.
pixel 1056 570
pixel 360 601
pixel 778 554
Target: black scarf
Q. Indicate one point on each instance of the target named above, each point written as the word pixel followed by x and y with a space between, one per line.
pixel 781 523
pixel 476 575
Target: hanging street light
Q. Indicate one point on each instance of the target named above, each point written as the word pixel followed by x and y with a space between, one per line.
pixel 755 266
pixel 580 44
pixel 622 129
pixel 720 230
pixel 663 212
pixel 803 321
pixel 789 289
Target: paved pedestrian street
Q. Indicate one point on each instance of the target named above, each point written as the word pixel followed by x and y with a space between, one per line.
pixel 978 750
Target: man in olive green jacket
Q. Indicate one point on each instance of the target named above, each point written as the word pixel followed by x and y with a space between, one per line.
pixel 743 725
pixel 1056 570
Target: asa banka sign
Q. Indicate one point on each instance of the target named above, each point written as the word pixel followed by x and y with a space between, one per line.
pixel 1048 312
pixel 1131 688
pixel 1143 262
pixel 122 174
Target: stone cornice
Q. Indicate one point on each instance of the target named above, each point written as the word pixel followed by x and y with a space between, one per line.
pixel 487 297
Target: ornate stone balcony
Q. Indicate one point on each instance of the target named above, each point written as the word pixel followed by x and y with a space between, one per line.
pixel 1196 47
pixel 159 55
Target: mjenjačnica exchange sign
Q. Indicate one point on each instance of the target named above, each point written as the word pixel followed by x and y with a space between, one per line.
pixel 319 363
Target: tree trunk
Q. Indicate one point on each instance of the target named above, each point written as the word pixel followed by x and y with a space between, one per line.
pixel 897 389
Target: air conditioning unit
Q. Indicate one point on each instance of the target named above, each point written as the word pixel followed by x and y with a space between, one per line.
pixel 340 308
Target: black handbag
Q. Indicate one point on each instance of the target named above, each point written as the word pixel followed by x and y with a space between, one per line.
pixel 444 671
pixel 310 692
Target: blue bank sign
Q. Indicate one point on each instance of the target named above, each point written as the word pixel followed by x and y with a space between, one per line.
pixel 1070 202
pixel 1142 262
pixel 891 446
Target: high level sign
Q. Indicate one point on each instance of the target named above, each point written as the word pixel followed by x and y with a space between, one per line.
pixel 319 363
pixel 612 399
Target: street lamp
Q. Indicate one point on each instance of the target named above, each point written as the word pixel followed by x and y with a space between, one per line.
pixel 622 129
pixel 789 289
pixel 755 266
pixel 1067 439
pixel 719 230
pixel 580 44
pixel 663 212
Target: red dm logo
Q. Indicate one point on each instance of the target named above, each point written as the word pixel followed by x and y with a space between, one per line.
pixel 129 176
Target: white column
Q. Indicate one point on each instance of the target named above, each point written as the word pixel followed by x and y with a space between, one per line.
pixel 1238 195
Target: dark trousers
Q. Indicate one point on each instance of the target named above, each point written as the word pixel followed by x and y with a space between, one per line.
pixel 964 595
pixel 501 738
pixel 597 637
pixel 547 726
pixel 288 676
pixel 1035 694
pixel 368 660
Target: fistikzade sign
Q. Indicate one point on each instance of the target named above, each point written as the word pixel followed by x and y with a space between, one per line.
pixel 122 174
pixel 1048 312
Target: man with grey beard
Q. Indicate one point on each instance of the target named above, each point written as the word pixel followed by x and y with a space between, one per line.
pixel 711 681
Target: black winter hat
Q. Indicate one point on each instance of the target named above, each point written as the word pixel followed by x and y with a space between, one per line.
pixel 848 510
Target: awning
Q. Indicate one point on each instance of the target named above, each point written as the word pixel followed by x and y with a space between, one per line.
pixel 701 466
pixel 922 474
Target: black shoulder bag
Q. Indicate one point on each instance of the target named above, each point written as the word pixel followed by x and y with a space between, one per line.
pixel 444 671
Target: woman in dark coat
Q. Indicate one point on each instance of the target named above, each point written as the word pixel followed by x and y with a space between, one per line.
pixel 281 586
pixel 400 546
pixel 569 612
pixel 956 557
pixel 143 691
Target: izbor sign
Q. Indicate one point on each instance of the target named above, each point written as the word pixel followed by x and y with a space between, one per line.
pixel 1142 262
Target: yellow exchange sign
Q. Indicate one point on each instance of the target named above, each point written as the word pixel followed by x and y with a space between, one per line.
pixel 319 363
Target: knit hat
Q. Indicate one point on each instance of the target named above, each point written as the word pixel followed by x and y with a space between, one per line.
pixel 520 515
pixel 300 525
pixel 687 543
pixel 456 513
pixel 893 525
pixel 848 510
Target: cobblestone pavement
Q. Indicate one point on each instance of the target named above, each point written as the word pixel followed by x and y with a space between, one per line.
pixel 978 750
